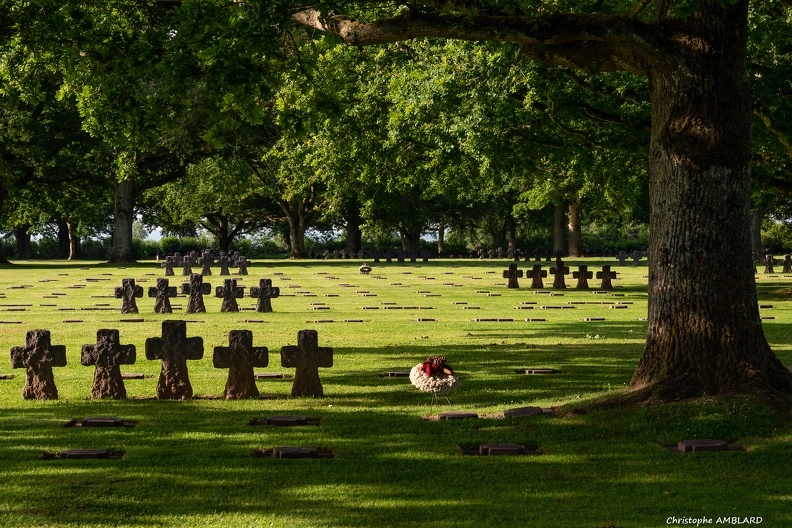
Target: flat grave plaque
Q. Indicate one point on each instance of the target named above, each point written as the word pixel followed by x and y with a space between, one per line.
pixel 520 412
pixel 501 449
pixel 693 446
pixel 456 415
pixel 531 371
pixel 102 421
pixel 269 375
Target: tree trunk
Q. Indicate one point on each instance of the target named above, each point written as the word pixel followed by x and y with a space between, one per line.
pixel 574 229
pixel 22 237
pixel 559 230
pixel 705 335
pixel 440 239
pixel 75 249
pixel 300 214
pixel 354 236
pixel 63 239
pixel 122 222
pixel 410 238
pixel 757 217
pixel 221 228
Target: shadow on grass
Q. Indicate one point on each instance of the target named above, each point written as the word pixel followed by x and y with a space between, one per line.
pixel 186 466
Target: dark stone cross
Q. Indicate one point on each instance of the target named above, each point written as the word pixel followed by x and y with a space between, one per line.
pixel 787 262
pixel 389 256
pixel 636 256
pixel 377 255
pixel 768 262
pixel 174 348
pixel 606 275
pixel 229 292
pixel 38 356
pixel 558 271
pixel 582 275
pixel 307 357
pixel 162 292
pixel 242 264
pixel 196 289
pixel 536 275
pixel 622 256
pixel 512 274
pixel 224 262
pixel 168 265
pixel 187 264
pixel 107 354
pixel 264 292
pixel 127 293
pixel 206 261
pixel 240 356
pixel 425 256
pixel 400 255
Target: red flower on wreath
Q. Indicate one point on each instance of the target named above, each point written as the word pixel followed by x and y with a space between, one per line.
pixel 435 366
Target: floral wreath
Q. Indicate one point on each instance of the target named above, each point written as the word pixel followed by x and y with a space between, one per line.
pixel 434 375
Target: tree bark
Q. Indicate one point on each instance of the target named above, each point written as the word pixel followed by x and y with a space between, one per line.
pixel 441 239
pixel 22 237
pixel 574 229
pixel 300 215
pixel 410 238
pixel 705 334
pixel 63 239
pixel 125 195
pixel 75 248
pixel 354 236
pixel 757 217
pixel 559 230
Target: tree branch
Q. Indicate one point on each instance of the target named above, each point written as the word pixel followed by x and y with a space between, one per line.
pixel 591 42
pixel 760 112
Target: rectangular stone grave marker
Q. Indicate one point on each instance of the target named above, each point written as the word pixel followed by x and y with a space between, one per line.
pixel 501 449
pixel 694 446
pixel 456 415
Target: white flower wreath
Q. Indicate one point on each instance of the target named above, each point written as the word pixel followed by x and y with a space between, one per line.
pixel 440 384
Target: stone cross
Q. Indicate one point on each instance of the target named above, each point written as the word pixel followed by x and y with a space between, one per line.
pixel 127 293
pixel 264 292
pixel 206 261
pixel 107 354
pixel 536 275
pixel 377 255
pixel 187 264
pixel 224 262
pixel 768 262
pixel 400 255
pixel 787 262
pixel 38 356
pixel 582 275
pixel 229 292
pixel 636 256
pixel 512 274
pixel 389 256
pixel 240 356
pixel 606 275
pixel 558 271
pixel 425 256
pixel 307 357
pixel 622 256
pixel 174 348
pixel 196 289
pixel 242 264
pixel 162 293
pixel 168 265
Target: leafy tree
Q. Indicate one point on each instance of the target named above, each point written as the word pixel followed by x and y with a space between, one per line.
pixel 702 338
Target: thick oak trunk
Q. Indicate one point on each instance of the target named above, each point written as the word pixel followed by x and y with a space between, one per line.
pixel 22 236
pixel 75 248
pixel 705 334
pixel 122 222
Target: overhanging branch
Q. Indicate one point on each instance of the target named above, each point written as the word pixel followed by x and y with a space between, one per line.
pixel 591 42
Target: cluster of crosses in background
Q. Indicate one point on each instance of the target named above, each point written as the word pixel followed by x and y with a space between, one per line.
pixel 232 259
pixel 769 261
pixel 174 349
pixel 538 255
pixel 559 272
pixel 196 288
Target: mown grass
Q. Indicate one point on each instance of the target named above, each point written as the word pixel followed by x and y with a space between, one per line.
pixel 189 463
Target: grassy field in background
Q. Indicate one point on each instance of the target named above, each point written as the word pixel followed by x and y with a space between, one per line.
pixel 190 463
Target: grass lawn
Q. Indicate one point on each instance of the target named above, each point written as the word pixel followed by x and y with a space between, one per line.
pixel 190 463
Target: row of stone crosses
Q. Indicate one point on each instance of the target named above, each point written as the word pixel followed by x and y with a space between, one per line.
pixel 769 261
pixel 232 259
pixel 174 349
pixel 196 288
pixel 538 255
pixel 559 272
